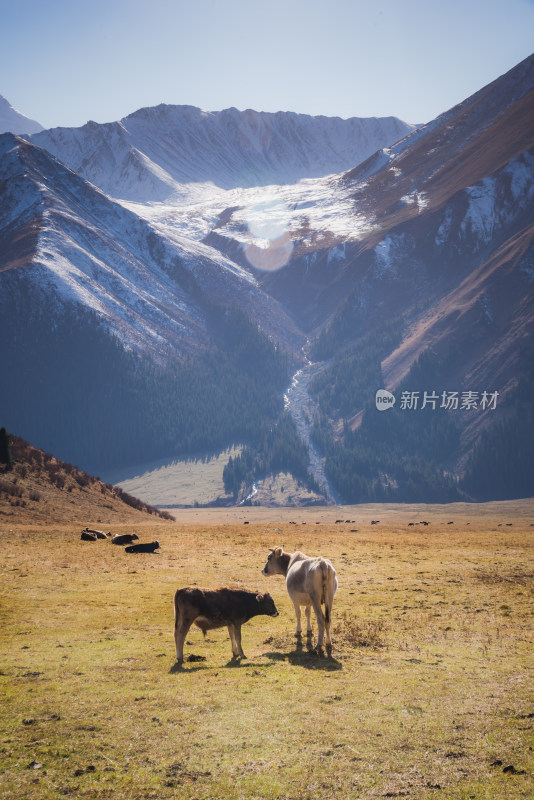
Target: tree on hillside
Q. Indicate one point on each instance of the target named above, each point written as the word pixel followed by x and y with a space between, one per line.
pixel 5 449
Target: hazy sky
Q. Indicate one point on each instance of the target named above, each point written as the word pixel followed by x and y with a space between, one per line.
pixel 63 62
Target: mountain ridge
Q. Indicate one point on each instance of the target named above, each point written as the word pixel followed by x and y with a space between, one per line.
pixel 12 121
pixel 150 154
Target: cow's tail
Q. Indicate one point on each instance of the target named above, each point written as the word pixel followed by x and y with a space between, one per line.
pixel 328 589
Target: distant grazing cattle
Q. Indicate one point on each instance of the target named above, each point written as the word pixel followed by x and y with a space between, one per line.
pixel 143 547
pixel 310 582
pixel 124 538
pixel 88 537
pixel 216 608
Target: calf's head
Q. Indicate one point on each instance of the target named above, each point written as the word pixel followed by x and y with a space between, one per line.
pixel 266 604
pixel 277 562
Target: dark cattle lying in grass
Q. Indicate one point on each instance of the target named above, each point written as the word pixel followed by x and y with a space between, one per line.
pixel 88 537
pixel 217 608
pixel 124 538
pixel 98 534
pixel 143 547
pixel 309 582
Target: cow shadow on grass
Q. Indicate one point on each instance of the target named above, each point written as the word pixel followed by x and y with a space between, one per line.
pixel 186 665
pixel 244 662
pixel 308 656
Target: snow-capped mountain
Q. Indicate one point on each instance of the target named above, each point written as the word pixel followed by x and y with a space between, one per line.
pixel 442 220
pixel 12 121
pixel 313 227
pixel 156 153
pixel 62 234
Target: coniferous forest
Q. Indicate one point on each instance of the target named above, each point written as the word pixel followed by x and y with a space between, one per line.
pixel 501 464
pixel 124 410
pixel 393 455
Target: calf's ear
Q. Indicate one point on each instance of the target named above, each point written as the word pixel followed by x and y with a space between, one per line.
pixel 260 597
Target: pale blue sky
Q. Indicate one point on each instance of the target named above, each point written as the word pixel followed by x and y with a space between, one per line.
pixel 64 62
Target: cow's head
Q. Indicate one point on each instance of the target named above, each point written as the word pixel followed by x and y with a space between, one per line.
pixel 266 604
pixel 277 562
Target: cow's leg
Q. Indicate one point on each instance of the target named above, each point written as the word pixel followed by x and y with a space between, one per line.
pixel 180 632
pixel 307 611
pixel 298 631
pixel 237 633
pixel 320 622
pixel 232 634
pixel 327 619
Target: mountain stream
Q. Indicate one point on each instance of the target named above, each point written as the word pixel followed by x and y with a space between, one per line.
pixel 298 402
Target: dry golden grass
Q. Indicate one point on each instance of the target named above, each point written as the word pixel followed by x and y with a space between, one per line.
pixel 428 692
pixel 41 488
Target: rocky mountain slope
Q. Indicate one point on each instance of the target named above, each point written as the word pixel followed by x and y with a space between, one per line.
pixel 438 227
pixel 37 487
pixel 65 238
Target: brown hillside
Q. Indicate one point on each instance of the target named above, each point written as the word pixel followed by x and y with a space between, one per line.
pixel 40 488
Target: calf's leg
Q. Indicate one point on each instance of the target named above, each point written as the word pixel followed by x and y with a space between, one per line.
pixel 237 633
pixel 232 634
pixel 180 632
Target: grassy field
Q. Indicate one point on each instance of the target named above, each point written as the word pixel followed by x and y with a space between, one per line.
pixel 178 482
pixel 428 693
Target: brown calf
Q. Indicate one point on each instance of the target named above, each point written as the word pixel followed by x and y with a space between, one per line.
pixel 216 608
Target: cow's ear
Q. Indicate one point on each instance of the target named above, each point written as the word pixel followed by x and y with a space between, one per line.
pixel 260 597
pixel 278 551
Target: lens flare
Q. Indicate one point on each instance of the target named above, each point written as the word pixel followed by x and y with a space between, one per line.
pixel 268 224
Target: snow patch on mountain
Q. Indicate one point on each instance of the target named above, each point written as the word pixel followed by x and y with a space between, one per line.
pixel 420 199
pixel 480 218
pixel 497 199
pixel 444 229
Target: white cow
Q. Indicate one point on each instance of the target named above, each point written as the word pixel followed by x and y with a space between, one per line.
pixel 310 582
